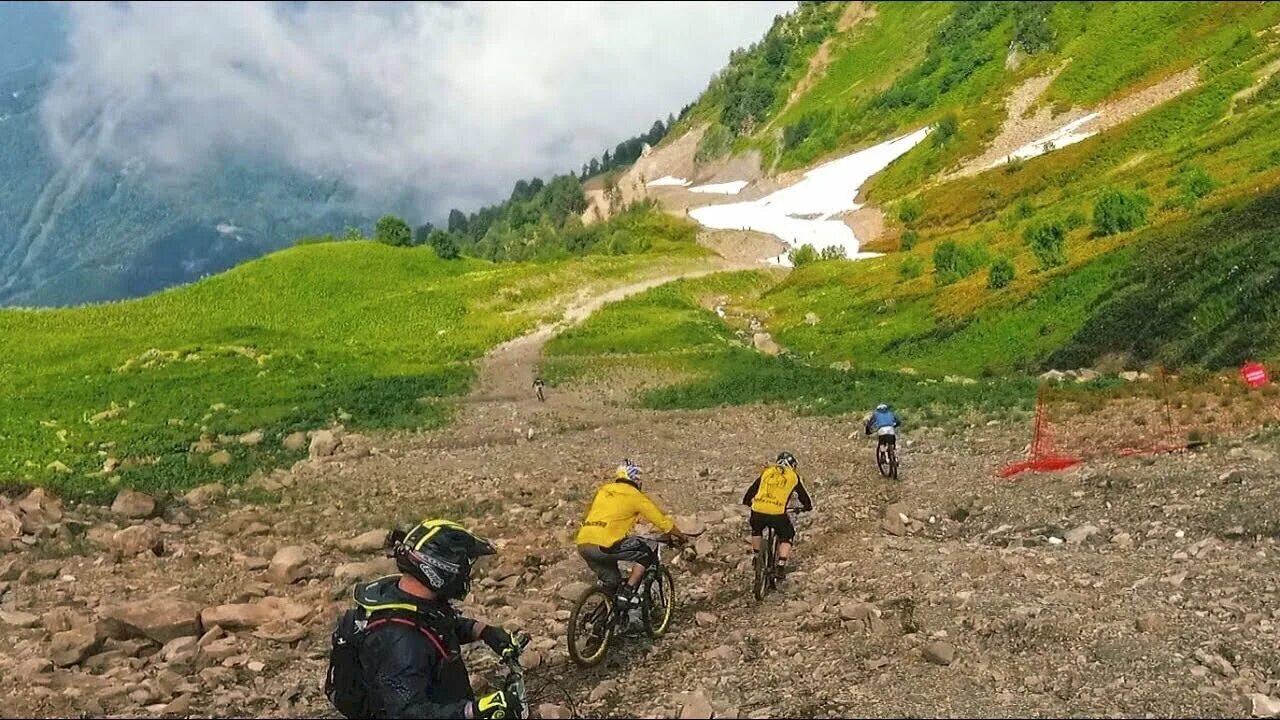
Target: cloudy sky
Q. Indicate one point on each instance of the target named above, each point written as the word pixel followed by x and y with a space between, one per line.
pixel 450 103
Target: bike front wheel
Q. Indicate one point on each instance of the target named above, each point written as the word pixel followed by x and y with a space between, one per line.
pixel 590 627
pixel 659 603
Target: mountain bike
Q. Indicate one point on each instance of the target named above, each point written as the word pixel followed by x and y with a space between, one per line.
pixel 596 619
pixel 537 386
pixel 765 563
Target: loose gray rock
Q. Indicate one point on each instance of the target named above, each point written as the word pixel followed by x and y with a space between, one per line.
pixel 940 652
pixel 133 504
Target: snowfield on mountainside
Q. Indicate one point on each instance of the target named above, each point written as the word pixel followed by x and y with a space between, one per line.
pixel 806 212
pixel 726 188
pixel 1066 135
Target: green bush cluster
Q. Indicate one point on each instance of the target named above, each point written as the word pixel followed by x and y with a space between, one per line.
pixel 1048 242
pixel 1001 273
pixel 954 261
pixel 1117 211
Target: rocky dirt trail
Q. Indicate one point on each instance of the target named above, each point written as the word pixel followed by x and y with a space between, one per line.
pixel 1136 587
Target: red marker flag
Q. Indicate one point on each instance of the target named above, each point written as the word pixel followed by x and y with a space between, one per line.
pixel 1254 374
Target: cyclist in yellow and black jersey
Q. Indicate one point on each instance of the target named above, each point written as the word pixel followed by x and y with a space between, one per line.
pixel 768 497
pixel 603 541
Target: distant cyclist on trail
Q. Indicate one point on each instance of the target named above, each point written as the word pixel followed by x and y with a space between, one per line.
pixel 603 541
pixel 768 497
pixel 884 423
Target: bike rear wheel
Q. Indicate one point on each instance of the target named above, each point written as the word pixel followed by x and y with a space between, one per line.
pixel 763 565
pixel 659 603
pixel 893 462
pixel 590 627
pixel 882 460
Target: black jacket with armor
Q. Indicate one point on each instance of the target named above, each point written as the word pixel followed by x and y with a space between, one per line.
pixel 412 663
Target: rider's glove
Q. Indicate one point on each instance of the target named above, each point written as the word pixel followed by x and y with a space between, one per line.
pixel 502 642
pixel 496 706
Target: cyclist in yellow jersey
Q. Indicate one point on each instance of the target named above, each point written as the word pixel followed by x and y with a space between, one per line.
pixel 768 497
pixel 603 541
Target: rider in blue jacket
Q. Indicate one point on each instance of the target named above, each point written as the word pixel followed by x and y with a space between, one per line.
pixel 884 423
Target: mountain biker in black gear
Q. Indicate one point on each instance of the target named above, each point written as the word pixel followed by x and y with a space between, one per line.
pixel 412 663
pixel 768 497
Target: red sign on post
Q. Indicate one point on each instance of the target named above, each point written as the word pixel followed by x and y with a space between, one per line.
pixel 1254 374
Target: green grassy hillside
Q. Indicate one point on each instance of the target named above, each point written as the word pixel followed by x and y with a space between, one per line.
pixel 355 332
pixel 1150 242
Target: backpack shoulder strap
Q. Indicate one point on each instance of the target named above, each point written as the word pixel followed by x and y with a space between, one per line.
pixel 382 621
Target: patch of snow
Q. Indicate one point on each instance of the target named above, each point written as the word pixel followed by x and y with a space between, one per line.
pixel 227 229
pixel 1060 138
pixel 667 180
pixel 728 188
pixel 803 213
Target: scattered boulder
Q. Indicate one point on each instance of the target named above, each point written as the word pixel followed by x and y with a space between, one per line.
pixel 724 652
pixel 694 705
pixel 940 652
pixel 10 526
pixel 530 659
pixel 704 547
pixel 200 497
pixel 71 647
pixel 704 619
pixel 551 711
pixel 288 565
pixel 764 342
pixel 180 649
pixel 602 690
pixel 248 616
pixel 294 441
pixel 1262 706
pixel 1078 535
pixel 61 618
pixel 323 444
pixel 19 619
pixel 896 519
pixel 573 590
pixel 133 504
pixel 281 631
pixel 353 572
pixel 1150 622
pixel 37 510
pixel 161 618
pixel 364 542
pixel 222 457
pixel 137 539
pixel 251 438
pixel 34 667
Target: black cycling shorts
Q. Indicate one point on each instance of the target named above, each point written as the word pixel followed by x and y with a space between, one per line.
pixel 889 440
pixel 604 561
pixel 781 525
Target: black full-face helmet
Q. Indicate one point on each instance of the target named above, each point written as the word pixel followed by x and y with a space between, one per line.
pixel 786 459
pixel 439 554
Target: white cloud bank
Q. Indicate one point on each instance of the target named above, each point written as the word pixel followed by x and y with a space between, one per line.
pixel 447 104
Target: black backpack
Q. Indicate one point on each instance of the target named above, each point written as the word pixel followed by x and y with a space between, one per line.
pixel 344 683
